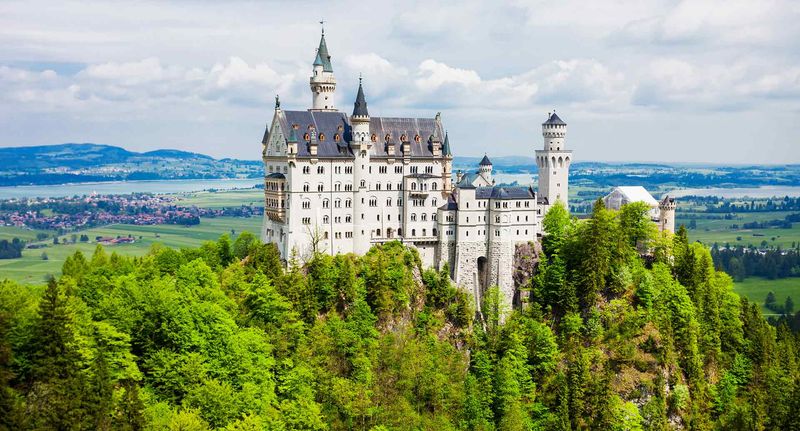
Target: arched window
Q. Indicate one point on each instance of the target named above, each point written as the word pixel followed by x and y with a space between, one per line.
pixel 387 138
pixel 413 186
pixel 374 138
pixel 306 137
pixel 416 138
pixel 321 136
pixel 325 219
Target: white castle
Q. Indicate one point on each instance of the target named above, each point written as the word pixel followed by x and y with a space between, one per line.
pixel 340 184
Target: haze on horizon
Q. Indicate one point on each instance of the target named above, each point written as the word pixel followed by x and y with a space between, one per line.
pixel 664 81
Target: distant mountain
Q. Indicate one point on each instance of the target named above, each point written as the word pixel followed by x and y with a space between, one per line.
pixel 87 162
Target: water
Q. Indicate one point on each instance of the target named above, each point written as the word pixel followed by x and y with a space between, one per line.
pixel 125 187
pixel 741 192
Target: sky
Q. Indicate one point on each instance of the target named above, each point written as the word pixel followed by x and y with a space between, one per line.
pixel 642 80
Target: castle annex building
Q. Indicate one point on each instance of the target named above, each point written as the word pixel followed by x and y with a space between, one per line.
pixel 340 183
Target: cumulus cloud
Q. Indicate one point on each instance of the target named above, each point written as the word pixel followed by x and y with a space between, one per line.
pixel 221 65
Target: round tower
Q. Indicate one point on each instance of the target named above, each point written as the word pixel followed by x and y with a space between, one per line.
pixel 322 81
pixel 666 214
pixel 485 168
pixel 554 161
pixel 361 144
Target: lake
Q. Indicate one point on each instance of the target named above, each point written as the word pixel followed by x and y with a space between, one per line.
pixel 125 187
pixel 740 192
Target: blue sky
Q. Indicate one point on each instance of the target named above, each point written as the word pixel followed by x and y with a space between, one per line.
pixel 672 81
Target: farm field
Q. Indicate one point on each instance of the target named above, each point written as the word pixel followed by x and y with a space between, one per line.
pixel 31 268
pixel 757 288
pixel 222 199
pixel 719 231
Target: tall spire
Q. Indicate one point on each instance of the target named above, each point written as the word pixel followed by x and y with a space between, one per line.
pixel 446 146
pixel 360 107
pixel 322 54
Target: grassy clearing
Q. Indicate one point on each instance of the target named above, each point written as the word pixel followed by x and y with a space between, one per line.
pixel 31 268
pixel 719 231
pixel 757 288
pixel 222 199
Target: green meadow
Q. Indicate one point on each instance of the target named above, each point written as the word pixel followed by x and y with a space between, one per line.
pixel 32 268
pixel 719 231
pixel 223 199
pixel 757 288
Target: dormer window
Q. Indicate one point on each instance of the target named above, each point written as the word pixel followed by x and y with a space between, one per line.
pixel 417 138
pixel 340 128
pixel 336 137
pixel 403 138
pixel 321 136
pixel 374 138
pixel 387 138
pixel 307 137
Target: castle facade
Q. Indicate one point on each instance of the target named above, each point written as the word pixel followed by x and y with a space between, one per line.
pixel 339 183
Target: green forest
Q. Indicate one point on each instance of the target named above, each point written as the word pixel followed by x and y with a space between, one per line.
pixel 619 328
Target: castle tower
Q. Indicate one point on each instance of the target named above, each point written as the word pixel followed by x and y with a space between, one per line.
pixel 323 83
pixel 554 161
pixel 485 168
pixel 666 214
pixel 447 166
pixel 361 144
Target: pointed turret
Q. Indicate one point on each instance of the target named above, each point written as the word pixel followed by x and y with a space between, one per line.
pixel 323 56
pixel 446 146
pixel 485 161
pixel 360 106
pixel 323 83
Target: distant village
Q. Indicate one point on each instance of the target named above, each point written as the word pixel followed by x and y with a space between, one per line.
pixel 67 214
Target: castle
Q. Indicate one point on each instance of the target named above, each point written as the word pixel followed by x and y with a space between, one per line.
pixel 338 184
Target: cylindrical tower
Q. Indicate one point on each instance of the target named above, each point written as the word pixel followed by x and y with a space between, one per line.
pixel 554 161
pixel 322 81
pixel 666 217
pixel 361 144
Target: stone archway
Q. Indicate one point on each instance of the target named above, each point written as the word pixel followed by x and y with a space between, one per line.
pixel 483 273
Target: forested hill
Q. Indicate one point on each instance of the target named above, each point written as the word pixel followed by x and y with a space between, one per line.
pixel 222 337
pixel 64 163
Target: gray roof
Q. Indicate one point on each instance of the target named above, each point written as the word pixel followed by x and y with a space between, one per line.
pixel 554 119
pixel 277 175
pixel 451 203
pixel 446 147
pixel 360 105
pixel 466 180
pixel 327 124
pixel 542 200
pixel 266 134
pixel 322 53
pixel 421 176
pixel 485 161
pixel 501 192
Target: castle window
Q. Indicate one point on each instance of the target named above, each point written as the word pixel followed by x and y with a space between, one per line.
pixel 403 137
pixel 348 203
pixel 340 128
pixel 325 219
pixel 387 137
pixel 416 138
pixel 363 184
pixel 424 232
pixel 306 137
pixel 337 203
pixel 413 232
pixel 413 217
pixel 306 204
pixel 424 217
pixel 336 137
pixel 321 136
pixel 374 138
pixel 325 203
pixel 305 187
pixel 434 231
pixel 319 187
pixel 306 169
pixel 320 169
